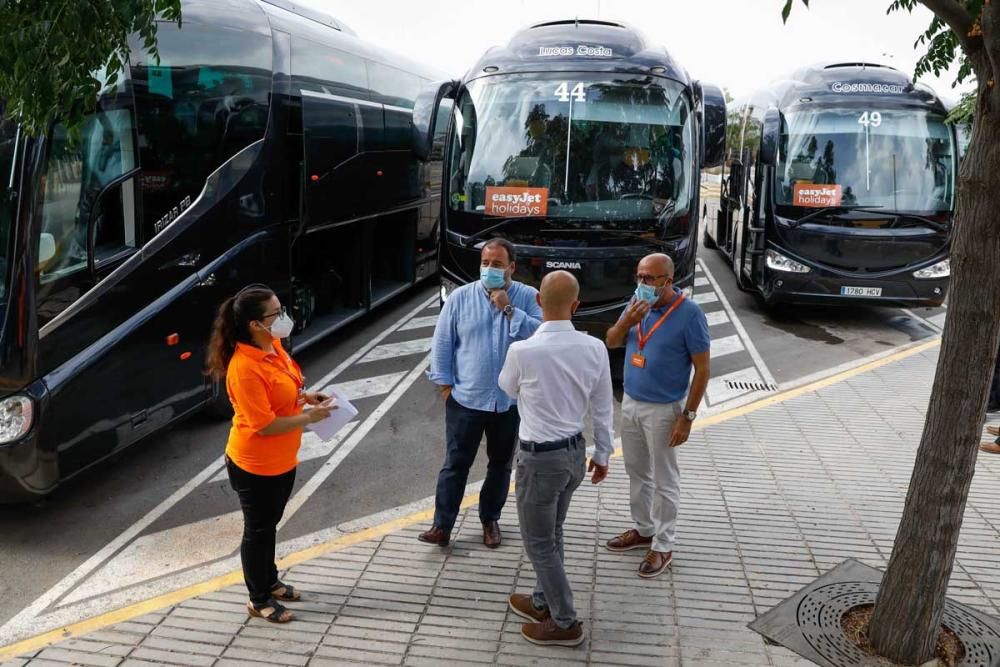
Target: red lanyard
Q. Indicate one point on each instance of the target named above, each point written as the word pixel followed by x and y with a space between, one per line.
pixel 287 367
pixel 643 339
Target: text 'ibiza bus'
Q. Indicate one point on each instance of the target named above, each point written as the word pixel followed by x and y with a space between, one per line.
pixel 266 144
pixel 839 186
pixel 582 144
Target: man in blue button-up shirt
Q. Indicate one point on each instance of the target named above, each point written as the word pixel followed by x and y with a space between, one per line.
pixel 478 323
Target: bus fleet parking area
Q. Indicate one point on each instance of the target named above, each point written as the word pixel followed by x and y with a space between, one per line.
pixel 162 516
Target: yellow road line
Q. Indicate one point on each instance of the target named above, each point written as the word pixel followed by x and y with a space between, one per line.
pixel 137 609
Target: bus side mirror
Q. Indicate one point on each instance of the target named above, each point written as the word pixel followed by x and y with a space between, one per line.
pixel 425 109
pixel 769 140
pixel 713 124
pixel 46 248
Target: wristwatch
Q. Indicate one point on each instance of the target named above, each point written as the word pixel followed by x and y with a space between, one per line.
pixel 690 415
pixel 508 310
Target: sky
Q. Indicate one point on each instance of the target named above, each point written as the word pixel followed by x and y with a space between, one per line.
pixel 740 45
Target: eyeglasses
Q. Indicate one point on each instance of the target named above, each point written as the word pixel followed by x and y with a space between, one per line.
pixel 648 279
pixel 280 311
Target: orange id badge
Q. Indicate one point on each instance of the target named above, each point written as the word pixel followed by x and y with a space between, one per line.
pixel 638 360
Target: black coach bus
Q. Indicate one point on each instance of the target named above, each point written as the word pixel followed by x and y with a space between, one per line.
pixel 267 144
pixel 581 143
pixel 839 187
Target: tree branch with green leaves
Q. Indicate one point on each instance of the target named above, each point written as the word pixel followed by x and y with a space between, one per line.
pixel 57 56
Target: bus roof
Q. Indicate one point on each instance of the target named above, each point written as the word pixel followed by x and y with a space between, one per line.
pixel 579 45
pixel 312 15
pixel 836 83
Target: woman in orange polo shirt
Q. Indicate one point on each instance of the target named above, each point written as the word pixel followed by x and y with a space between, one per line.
pixel 266 389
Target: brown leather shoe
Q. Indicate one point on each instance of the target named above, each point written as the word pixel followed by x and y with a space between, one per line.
pixel 435 536
pixel 654 563
pixel 630 539
pixel 491 534
pixel 522 605
pixel 991 447
pixel 993 430
pixel 547 633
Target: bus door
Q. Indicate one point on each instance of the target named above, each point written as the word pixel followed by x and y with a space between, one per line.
pixel 738 214
pixel 752 255
pixel 748 237
pixel 89 225
pixel 341 140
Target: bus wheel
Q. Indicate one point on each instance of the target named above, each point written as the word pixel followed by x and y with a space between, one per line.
pixel 218 406
pixel 708 241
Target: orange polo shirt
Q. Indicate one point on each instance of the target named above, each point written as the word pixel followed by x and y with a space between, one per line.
pixel 263 386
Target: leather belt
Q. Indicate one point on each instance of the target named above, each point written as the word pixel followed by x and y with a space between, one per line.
pixel 552 445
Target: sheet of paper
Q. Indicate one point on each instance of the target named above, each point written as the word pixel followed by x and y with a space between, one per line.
pixel 344 414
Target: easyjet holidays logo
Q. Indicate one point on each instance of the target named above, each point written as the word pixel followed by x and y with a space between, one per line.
pixel 516 202
pixel 809 194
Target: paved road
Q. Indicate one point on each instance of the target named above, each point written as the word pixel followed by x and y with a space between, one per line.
pixel 162 516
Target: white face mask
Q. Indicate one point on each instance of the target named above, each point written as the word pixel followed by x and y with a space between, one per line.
pixel 282 326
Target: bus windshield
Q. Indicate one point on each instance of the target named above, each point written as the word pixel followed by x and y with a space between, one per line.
pixel 9 139
pixel 896 159
pixel 571 147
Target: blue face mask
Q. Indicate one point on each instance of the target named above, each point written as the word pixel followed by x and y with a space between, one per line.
pixel 492 278
pixel 647 293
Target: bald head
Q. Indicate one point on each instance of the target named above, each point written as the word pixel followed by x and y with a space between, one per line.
pixel 657 270
pixel 559 295
pixel 656 264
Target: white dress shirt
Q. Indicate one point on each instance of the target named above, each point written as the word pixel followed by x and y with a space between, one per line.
pixel 555 376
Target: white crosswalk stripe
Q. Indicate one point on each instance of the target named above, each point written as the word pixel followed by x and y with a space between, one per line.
pixel 393 350
pixel 427 321
pixel 716 317
pixel 726 345
pixel 705 297
pixel 376 385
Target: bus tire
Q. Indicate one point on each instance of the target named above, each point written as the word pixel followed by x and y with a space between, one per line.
pixel 218 406
pixel 708 241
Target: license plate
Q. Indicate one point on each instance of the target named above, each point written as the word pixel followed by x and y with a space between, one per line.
pixel 861 291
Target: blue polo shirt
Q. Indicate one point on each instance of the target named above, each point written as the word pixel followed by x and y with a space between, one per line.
pixel 667 374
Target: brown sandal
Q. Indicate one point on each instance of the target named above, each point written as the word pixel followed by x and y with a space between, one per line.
pixel 271 611
pixel 288 592
pixel 993 430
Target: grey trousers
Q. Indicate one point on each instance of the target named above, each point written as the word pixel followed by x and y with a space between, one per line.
pixel 545 482
pixel 654 477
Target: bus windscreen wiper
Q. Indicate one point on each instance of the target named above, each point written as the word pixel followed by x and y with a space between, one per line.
pixel 833 209
pixel 475 236
pixel 933 224
pixel 617 232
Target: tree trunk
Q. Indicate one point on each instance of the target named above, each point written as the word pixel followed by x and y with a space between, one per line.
pixel 910 603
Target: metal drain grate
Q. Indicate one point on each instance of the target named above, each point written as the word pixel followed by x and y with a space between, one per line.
pixel 809 622
pixel 751 386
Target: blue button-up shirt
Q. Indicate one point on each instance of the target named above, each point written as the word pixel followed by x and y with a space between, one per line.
pixel 471 340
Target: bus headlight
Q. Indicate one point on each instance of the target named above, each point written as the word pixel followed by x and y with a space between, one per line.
pixel 15 418
pixel 778 262
pixel 447 287
pixel 940 270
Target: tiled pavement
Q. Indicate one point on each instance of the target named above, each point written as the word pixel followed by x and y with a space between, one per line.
pixel 770 500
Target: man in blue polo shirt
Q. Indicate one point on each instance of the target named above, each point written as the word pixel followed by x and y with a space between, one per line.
pixel 665 335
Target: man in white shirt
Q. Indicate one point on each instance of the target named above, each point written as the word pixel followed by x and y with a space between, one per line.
pixel 555 375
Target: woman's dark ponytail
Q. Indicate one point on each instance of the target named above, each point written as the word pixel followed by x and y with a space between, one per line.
pixel 222 344
pixel 232 326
